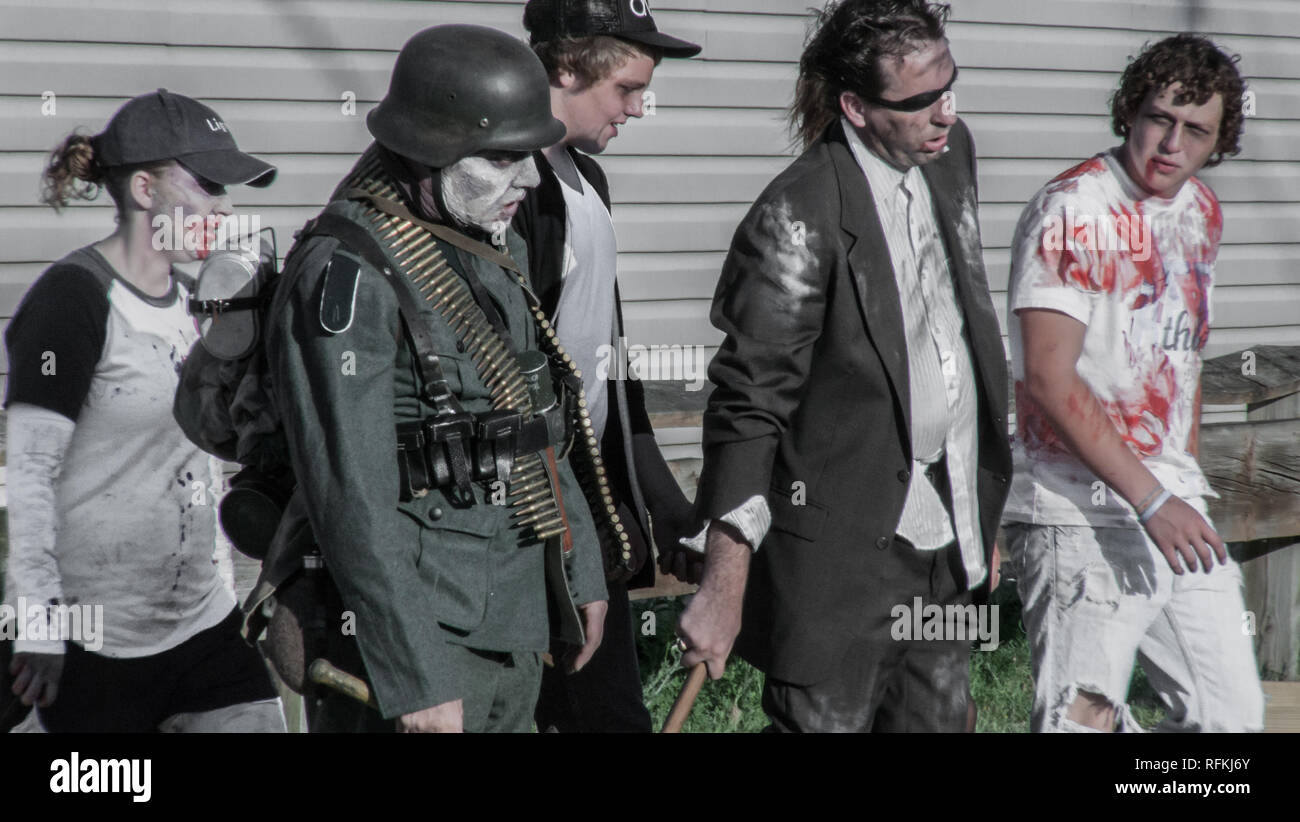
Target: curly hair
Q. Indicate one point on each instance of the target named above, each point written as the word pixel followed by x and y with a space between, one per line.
pixel 1201 68
pixel 590 59
pixel 73 172
pixel 847 45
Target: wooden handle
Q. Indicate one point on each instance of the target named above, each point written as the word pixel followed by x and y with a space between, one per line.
pixel 686 699
pixel 323 673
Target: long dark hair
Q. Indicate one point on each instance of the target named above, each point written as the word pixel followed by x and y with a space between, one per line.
pixel 844 51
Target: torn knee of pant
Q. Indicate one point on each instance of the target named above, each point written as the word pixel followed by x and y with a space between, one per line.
pixel 1084 707
pixel 1125 723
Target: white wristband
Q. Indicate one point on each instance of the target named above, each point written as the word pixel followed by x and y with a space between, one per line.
pixel 1151 509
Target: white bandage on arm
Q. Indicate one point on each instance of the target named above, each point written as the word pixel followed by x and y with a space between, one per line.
pixel 752 518
pixel 37 440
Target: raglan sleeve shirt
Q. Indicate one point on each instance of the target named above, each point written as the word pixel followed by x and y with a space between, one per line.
pixel 54 342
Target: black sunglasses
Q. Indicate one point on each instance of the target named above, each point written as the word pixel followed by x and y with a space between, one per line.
pixel 917 101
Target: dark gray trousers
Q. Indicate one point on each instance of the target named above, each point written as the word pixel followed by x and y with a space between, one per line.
pixel 886 684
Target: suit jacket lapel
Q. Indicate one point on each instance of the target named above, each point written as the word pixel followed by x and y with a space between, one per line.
pixel 872 273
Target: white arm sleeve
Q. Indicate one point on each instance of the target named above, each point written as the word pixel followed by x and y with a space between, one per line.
pixel 752 518
pixel 37 441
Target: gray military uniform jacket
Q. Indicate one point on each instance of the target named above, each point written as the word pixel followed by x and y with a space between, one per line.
pixel 425 573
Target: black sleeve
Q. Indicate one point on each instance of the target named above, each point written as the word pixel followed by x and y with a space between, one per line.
pixel 55 340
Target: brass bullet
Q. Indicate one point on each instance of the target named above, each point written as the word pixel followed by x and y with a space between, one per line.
pixel 540 516
pixel 529 501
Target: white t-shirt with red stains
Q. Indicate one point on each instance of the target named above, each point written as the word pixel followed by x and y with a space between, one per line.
pixel 1138 272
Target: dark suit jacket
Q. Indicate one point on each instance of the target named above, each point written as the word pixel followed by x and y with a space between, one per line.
pixel 640 479
pixel 812 388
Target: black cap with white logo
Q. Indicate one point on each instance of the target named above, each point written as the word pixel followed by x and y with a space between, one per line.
pixel 625 19
pixel 166 126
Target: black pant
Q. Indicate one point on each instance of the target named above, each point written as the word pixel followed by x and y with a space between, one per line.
pixel 884 683
pixel 605 696
pixel 213 669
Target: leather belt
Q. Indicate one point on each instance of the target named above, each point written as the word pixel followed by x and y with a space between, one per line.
pixel 434 452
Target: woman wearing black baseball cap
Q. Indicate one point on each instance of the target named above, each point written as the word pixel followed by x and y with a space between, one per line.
pixel 126 623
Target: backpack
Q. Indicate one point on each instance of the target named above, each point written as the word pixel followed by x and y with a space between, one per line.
pixel 224 401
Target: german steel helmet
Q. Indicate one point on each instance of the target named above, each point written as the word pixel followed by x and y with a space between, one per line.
pixel 457 90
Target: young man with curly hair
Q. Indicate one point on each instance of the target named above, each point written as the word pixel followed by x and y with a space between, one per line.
pixel 1112 269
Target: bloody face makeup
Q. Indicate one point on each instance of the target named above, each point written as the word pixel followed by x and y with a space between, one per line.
pixel 186 212
pixel 1169 143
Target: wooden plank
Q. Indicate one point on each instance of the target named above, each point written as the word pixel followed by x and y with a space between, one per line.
pixel 1281 707
pixel 679 322
pixel 654 275
pixel 239 71
pixel 338 23
pixel 660 274
pixel 309 178
pixel 664 586
pixel 346 24
pixel 671 405
pixel 1272 372
pixel 47 237
pixel 1255 467
pixel 379 25
pixel 1071 138
pixel 1080 48
pixel 1272 596
pixel 1150 15
pixel 1223 340
pixel 39 235
pixel 1017 180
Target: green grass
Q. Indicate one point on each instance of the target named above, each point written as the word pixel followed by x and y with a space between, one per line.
pixel 729 705
pixel 1001 681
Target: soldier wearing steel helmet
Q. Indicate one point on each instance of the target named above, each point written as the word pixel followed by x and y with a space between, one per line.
pixel 443 548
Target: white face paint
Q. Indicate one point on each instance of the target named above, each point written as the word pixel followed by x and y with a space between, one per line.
pixel 484 190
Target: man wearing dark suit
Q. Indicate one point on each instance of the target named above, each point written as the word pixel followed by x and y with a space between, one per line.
pixel 857 431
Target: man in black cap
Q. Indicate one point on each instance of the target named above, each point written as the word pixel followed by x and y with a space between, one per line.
pixel 125 621
pixel 600 56
pixel 405 317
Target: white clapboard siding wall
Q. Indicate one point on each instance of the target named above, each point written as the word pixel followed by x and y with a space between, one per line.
pixel 1036 78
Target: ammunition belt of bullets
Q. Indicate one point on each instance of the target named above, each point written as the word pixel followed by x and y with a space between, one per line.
pixel 585 456
pixel 418 256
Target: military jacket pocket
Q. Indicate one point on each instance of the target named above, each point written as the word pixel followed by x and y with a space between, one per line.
pixel 454 557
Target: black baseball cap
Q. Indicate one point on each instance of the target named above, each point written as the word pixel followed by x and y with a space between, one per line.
pixel 625 19
pixel 166 126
